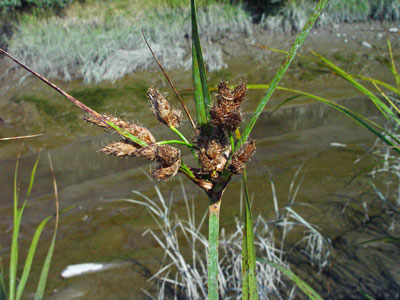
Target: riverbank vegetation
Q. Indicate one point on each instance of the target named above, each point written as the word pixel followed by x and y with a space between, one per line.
pixel 96 41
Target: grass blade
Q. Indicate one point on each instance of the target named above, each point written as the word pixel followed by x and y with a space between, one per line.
pixel 3 291
pixel 393 68
pixel 383 108
pixel 309 291
pixel 14 243
pixel 213 237
pixel 46 265
pixel 379 240
pixel 201 93
pixel 283 68
pixel 249 278
pixel 32 177
pixel 29 258
pixel 373 127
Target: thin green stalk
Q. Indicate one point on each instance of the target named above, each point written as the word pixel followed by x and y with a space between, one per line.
pixel 283 68
pixel 14 243
pixel 178 133
pixel 213 238
pixel 29 258
pixel 46 265
pixel 394 71
pixel 232 141
pixel 249 278
pixel 360 119
pixel 3 291
pixel 383 108
pixel 191 146
pixel 308 290
pixel 186 170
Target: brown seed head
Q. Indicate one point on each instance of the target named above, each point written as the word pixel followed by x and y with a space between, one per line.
pixel 226 113
pixel 166 172
pixel 139 131
pixel 120 149
pixel 162 110
pixel 239 94
pixel 149 152
pixel 167 155
pixel 242 156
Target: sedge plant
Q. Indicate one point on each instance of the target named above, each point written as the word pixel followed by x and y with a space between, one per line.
pixel 219 149
pixel 16 284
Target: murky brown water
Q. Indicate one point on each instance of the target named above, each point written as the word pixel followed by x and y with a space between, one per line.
pixel 99 230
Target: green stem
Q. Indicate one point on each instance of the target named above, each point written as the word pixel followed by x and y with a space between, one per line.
pixel 185 140
pixel 232 141
pixel 175 142
pixel 213 237
pixel 184 168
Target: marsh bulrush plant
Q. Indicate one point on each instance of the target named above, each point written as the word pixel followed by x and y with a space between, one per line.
pixel 218 146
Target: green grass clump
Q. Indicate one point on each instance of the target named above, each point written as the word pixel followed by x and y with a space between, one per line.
pixel 16 285
pixel 109 49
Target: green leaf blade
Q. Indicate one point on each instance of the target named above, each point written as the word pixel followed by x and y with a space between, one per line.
pixel 29 258
pixel 249 277
pixel 202 95
pixel 302 285
pixel 283 68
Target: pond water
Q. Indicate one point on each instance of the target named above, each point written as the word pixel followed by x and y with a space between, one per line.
pixel 100 228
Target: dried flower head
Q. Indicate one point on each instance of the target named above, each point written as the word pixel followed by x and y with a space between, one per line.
pixel 120 149
pixel 165 172
pixel 242 156
pixel 162 110
pixel 226 114
pixel 214 150
pixel 168 157
pixel 139 131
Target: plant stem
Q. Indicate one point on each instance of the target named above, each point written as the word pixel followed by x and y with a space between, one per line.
pixel 176 142
pixel 213 237
pixel 232 141
pixel 178 133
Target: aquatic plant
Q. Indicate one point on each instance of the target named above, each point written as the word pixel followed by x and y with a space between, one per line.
pixel 219 148
pixel 16 286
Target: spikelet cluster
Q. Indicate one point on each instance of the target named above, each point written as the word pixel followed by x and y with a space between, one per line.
pixel 167 157
pixel 226 113
pixel 213 150
pixel 139 131
pixel 162 110
pixel 242 156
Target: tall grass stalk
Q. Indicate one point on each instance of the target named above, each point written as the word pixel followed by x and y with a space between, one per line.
pixel 16 286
